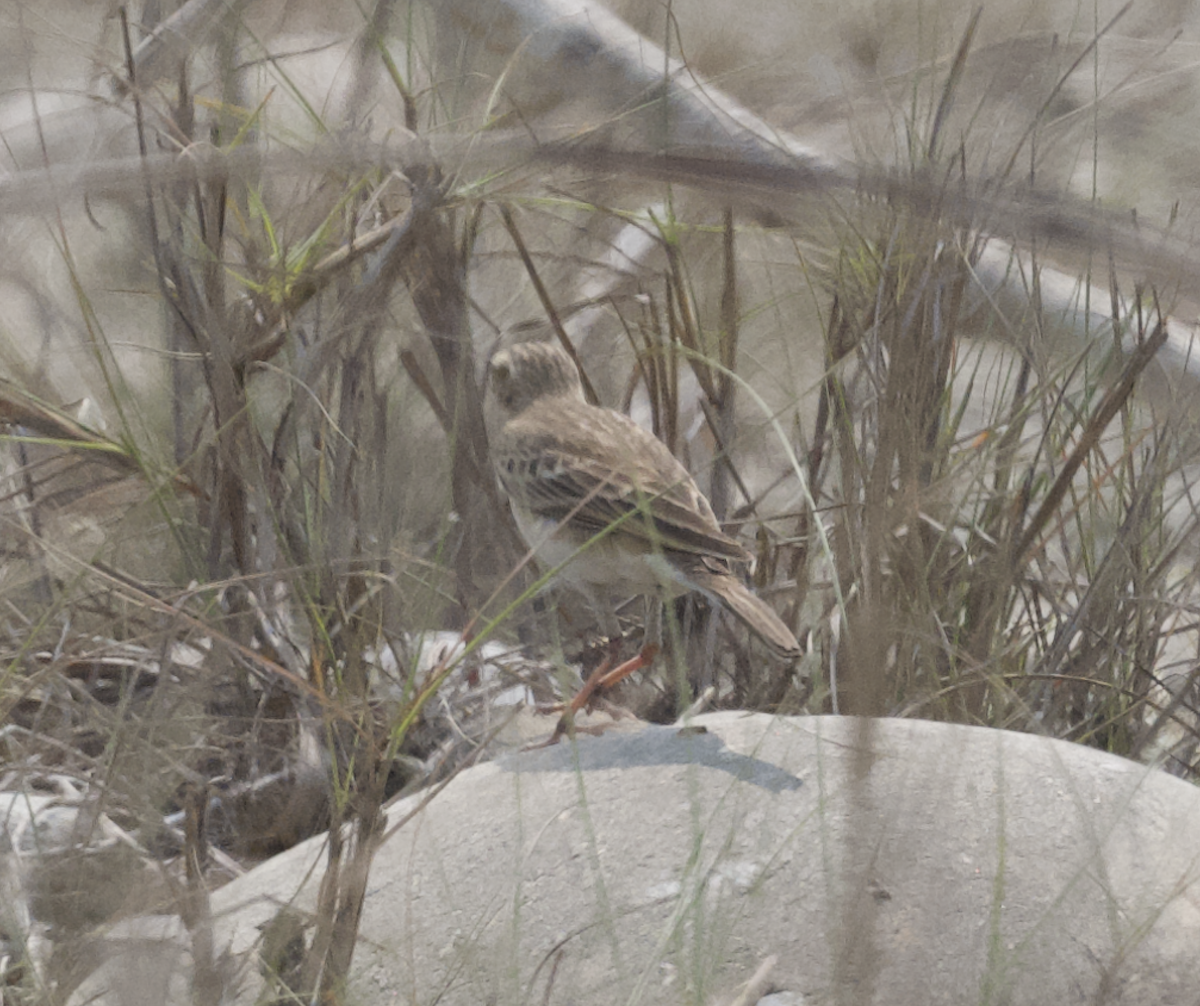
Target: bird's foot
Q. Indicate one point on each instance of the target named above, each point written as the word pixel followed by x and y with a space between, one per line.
pixel 604 676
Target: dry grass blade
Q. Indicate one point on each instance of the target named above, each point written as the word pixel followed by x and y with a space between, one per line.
pixel 564 340
pixel 1116 399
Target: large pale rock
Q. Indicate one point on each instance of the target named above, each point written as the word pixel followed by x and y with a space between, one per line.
pixel 891 862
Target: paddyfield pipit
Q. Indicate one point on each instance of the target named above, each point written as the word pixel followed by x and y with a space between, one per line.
pixel 591 489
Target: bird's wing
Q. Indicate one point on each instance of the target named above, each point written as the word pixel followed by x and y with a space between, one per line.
pixel 597 467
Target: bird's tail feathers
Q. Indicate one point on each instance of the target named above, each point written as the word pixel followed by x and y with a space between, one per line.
pixel 750 610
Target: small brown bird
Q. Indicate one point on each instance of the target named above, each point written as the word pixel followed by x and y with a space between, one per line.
pixel 591 489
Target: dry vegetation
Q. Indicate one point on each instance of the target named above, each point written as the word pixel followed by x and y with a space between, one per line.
pixel 269 275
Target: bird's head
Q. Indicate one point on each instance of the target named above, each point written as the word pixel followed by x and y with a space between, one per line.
pixel 529 372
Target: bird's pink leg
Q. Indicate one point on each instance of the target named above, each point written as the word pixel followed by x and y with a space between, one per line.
pixel 620 672
pixel 602 677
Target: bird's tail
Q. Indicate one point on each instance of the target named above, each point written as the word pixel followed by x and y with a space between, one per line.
pixel 751 611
